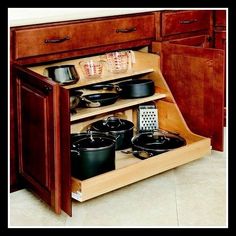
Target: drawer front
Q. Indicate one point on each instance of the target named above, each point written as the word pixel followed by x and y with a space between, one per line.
pixel 183 22
pixel 80 35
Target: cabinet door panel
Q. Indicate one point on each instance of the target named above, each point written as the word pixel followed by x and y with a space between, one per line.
pixel 39 145
pixel 196 79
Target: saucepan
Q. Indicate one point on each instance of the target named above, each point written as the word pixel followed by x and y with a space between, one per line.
pixel 64 74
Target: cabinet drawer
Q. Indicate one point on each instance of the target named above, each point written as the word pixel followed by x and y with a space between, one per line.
pixel 184 21
pixel 60 38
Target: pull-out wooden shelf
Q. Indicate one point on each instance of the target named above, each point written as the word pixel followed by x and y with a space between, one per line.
pixel 145 63
pixel 138 170
pixel 130 169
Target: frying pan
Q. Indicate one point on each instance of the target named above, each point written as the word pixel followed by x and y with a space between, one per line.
pixel 135 88
pixel 98 99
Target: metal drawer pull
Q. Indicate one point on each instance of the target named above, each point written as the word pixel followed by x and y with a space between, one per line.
pixel 57 40
pixel 126 30
pixel 188 21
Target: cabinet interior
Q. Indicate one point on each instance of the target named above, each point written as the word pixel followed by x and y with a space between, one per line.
pixel 130 169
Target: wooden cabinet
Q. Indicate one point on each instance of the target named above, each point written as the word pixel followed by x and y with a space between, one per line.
pixel 192 66
pixel 44 122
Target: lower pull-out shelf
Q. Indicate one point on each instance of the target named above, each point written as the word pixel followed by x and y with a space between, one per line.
pixel 130 169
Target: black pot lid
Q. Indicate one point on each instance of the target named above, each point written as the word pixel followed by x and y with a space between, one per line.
pixel 92 139
pixel 90 143
pixel 152 141
pixel 112 124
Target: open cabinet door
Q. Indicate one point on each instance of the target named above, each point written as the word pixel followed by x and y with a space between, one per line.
pixel 42 153
pixel 195 76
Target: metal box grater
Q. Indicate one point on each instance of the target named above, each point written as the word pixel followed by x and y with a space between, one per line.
pixel 147 118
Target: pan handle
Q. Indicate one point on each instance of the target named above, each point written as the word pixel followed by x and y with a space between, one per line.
pixel 90 103
pixel 142 154
pixel 110 119
pixel 101 86
pixel 105 87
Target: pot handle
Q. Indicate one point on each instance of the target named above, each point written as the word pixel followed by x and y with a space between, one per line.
pixel 105 87
pixel 75 151
pixel 106 122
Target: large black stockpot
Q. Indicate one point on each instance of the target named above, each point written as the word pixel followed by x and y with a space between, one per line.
pixel 92 153
pixel 120 128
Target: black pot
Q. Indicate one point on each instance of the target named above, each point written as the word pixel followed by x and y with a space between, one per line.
pixel 92 154
pixel 155 143
pixel 137 88
pixel 120 128
pixel 64 75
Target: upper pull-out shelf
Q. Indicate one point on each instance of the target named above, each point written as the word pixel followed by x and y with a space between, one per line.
pixel 144 63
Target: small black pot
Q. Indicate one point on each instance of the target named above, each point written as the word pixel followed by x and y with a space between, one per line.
pixel 64 75
pixel 92 154
pixel 120 128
